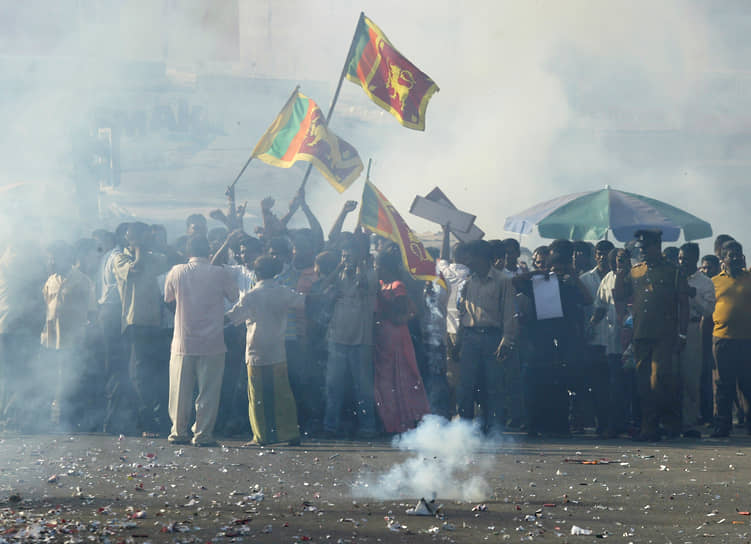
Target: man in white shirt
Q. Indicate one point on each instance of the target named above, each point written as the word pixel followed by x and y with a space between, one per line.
pixel 198 290
pixel 119 416
pixel 455 273
pixel 701 304
pixel 612 316
pixel 594 375
pixel 264 309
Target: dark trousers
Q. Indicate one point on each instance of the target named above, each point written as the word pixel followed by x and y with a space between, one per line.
pixel 434 378
pixel 546 396
pixel 732 357
pixel 350 377
pixel 590 385
pixel 232 418
pixel 481 378
pixel 85 384
pixel 620 391
pixel 658 385
pixel 18 350
pixel 120 411
pixel 306 381
pixel 149 376
pixel 605 380
pixel 512 384
pixel 707 371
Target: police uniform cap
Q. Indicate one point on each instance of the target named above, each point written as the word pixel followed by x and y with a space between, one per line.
pixel 648 235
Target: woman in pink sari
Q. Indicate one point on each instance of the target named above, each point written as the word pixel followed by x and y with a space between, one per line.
pixel 399 392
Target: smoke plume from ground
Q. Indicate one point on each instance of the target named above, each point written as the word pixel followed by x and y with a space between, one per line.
pixel 448 461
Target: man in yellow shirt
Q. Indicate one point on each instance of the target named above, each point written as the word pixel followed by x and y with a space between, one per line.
pixel 732 334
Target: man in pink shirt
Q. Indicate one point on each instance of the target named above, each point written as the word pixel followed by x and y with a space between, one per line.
pixel 198 290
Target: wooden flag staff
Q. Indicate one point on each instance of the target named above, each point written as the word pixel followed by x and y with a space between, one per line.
pixel 336 92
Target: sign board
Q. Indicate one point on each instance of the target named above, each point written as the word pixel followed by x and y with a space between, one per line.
pixel 547 294
pixel 441 214
pixel 474 232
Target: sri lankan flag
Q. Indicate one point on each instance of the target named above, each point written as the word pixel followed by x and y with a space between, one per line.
pixel 379 216
pixel 387 77
pixel 299 133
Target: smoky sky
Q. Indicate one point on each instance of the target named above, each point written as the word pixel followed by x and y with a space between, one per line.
pixel 537 99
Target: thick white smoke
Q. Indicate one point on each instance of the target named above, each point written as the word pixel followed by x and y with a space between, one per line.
pixel 448 461
pixel 537 98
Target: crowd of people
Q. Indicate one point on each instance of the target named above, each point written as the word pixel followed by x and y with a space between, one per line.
pixel 287 335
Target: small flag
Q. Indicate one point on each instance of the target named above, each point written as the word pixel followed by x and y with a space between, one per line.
pixel 387 77
pixel 379 216
pixel 299 133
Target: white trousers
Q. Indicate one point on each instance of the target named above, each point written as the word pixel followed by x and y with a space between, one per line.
pixel 691 362
pixel 184 372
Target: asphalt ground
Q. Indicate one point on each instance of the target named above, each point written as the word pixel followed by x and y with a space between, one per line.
pixel 99 488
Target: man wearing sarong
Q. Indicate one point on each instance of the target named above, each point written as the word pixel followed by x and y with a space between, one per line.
pixel 264 309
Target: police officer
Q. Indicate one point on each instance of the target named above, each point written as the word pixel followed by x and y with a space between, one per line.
pixel 659 291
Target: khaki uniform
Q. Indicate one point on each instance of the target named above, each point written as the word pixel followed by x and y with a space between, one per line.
pixel 656 290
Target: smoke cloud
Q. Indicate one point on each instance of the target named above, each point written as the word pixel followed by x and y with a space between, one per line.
pixel 446 462
pixel 537 99
pixel 540 99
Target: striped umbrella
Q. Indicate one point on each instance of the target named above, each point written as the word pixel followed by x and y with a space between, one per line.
pixel 590 215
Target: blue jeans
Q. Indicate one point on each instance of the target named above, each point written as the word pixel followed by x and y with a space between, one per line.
pixel 349 374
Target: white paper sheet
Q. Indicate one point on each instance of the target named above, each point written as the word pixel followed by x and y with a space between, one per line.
pixel 547 294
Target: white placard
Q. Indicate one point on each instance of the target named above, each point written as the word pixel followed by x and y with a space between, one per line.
pixel 474 232
pixel 442 214
pixel 547 295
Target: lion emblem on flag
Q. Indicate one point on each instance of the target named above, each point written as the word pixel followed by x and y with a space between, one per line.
pixel 399 83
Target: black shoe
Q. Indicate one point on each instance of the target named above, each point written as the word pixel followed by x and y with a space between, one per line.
pixel 692 433
pixel 212 444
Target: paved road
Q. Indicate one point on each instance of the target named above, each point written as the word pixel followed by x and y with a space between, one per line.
pixel 101 488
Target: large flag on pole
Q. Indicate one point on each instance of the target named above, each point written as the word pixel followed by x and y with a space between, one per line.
pixel 299 133
pixel 387 77
pixel 379 216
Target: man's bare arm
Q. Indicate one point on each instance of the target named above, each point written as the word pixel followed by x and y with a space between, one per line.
pixel 336 229
pixel 315 226
pixel 446 244
pixel 222 251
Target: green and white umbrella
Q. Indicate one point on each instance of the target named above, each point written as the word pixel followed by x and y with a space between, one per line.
pixel 590 215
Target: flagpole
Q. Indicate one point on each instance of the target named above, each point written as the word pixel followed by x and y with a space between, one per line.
pixel 336 92
pixel 367 179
